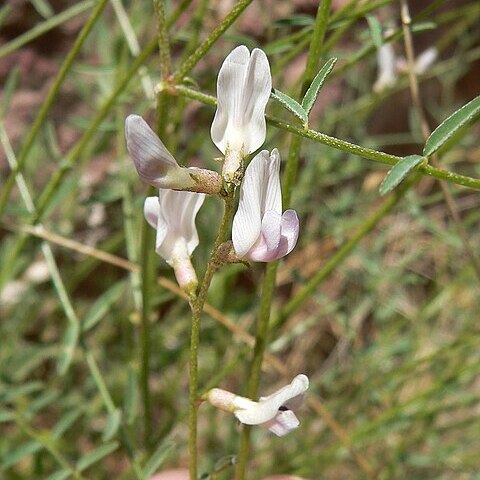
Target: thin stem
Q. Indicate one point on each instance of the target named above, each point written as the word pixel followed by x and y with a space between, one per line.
pixel 148 275
pixel 163 42
pixel 147 262
pixel 197 305
pixel 261 334
pixel 368 153
pixel 42 114
pixel 417 103
pixel 210 40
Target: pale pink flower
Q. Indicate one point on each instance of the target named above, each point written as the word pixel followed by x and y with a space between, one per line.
pixel 173 214
pixel 157 167
pixel 274 412
pixel 260 232
pixel 243 88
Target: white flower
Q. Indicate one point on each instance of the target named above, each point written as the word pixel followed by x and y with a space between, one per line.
pixel 157 167
pixel 425 60
pixel 260 232
pixel 274 412
pixel 387 68
pixel 243 88
pixel 173 214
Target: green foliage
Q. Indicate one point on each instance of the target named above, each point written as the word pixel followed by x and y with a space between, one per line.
pixel 377 303
pixel 291 105
pixel 398 173
pixel 317 83
pixel 451 125
pixel 375 30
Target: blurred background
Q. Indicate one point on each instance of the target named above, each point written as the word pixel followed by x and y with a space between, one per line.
pixel 389 336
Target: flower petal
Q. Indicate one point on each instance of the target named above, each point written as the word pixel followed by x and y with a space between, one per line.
pixel 257 89
pixel 247 223
pixel 425 60
pixel 150 156
pixel 289 233
pixel 188 211
pixel 273 193
pixel 387 70
pixel 266 247
pixel 267 408
pixel 283 423
pixel 229 95
pixel 151 211
pixel 176 232
pixel 243 89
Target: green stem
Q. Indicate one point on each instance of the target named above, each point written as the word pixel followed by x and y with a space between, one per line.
pixel 163 42
pixel 268 286
pixel 210 40
pixel 147 263
pixel 364 152
pixel 268 290
pixel 197 305
pixel 42 114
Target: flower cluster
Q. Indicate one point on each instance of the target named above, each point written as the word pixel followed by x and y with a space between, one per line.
pixel 260 232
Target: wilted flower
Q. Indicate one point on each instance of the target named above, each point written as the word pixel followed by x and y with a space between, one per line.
pixel 173 214
pixel 260 232
pixel 243 89
pixel 274 412
pixel 156 166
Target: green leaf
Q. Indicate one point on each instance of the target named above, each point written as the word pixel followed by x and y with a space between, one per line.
pixel 96 455
pixel 41 402
pixel 451 125
pixel 28 448
pixel 59 475
pixel 6 416
pixel 112 425
pixel 4 13
pixel 296 20
pixel 100 308
pixel 423 26
pixel 10 393
pixel 375 30
pixel 66 422
pixel 68 348
pixel 399 172
pixel 290 104
pixel 131 396
pixel 43 8
pixel 312 92
pixel 9 89
pixel 157 458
